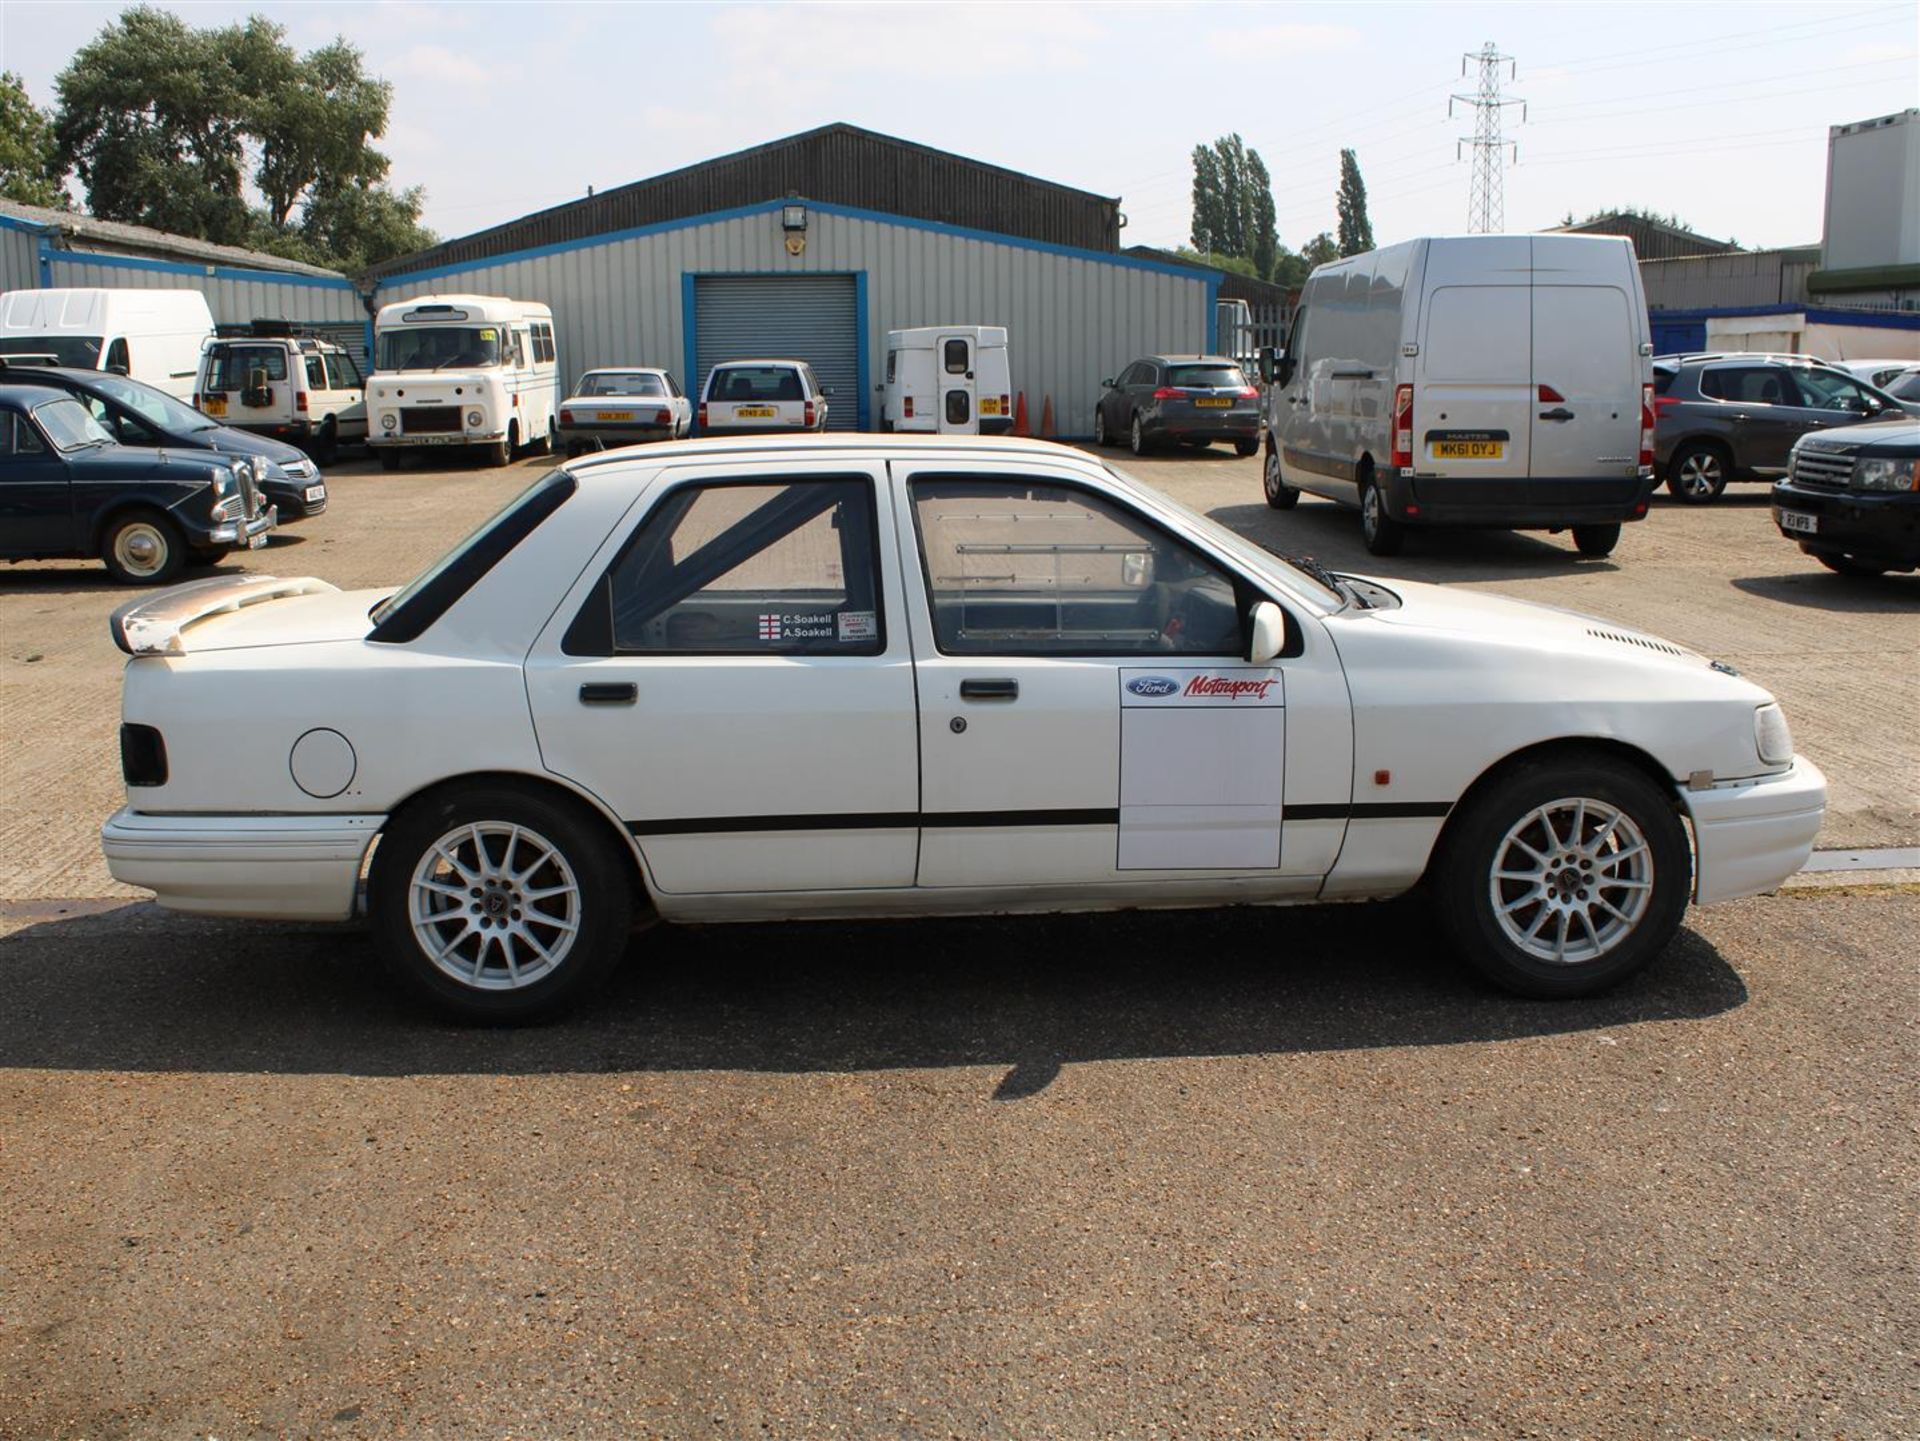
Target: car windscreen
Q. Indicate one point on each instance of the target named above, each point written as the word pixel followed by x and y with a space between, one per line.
pixel 82 352
pixel 1905 387
pixel 1206 377
pixel 754 382
pixel 438 347
pixel 622 382
pixel 404 615
pixel 70 425
pixel 151 404
pixel 240 367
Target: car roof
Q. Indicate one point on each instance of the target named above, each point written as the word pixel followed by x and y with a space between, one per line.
pixel 760 360
pixel 32 395
pixel 1775 357
pixel 628 370
pixel 1000 446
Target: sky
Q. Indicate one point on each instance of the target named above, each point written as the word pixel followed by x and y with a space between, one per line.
pixel 1715 112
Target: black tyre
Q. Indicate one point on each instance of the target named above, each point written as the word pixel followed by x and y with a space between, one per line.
pixel 1100 436
pixel 1847 565
pixel 1273 483
pixel 1697 473
pixel 501 452
pixel 326 445
pixel 389 458
pixel 500 904
pixel 143 547
pixel 1596 540
pixel 1137 438
pixel 1563 876
pixel 1245 448
pixel 1382 533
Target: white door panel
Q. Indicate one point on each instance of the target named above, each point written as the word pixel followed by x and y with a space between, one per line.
pixel 1201 775
pixel 1586 350
pixel 1475 385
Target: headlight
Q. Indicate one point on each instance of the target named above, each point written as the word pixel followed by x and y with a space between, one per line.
pixel 1886 475
pixel 475 420
pixel 389 421
pixel 1771 737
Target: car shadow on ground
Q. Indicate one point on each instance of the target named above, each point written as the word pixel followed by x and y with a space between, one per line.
pixel 87 577
pixel 1331 534
pixel 1821 590
pixel 136 989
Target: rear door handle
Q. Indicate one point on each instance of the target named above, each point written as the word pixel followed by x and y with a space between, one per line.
pixel 998 688
pixel 1557 414
pixel 609 693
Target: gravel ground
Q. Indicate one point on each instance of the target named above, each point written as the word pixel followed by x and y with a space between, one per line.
pixel 1226 1173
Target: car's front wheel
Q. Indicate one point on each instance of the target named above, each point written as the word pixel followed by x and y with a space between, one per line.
pixel 1696 474
pixel 143 547
pixel 499 904
pixel 1563 876
pixel 1273 483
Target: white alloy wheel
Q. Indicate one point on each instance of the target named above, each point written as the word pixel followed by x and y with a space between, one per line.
pixel 1571 880
pixel 494 905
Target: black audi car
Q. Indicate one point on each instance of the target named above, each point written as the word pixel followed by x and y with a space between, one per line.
pixel 1851 498
pixel 137 414
pixel 68 490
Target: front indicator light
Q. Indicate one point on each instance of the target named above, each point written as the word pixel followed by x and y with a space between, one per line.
pixel 1771 736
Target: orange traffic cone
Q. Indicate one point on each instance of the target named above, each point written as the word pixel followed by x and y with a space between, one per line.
pixel 1020 415
pixel 1046 420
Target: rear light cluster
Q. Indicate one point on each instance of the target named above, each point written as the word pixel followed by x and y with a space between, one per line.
pixel 1662 404
pixel 663 417
pixel 807 414
pixel 143 756
pixel 906 408
pixel 1646 426
pixel 1403 426
pixel 566 417
pixel 703 415
pixel 1167 392
pixel 300 400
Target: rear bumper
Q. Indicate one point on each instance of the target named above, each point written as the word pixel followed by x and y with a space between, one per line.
pixel 296 868
pixel 771 428
pixel 1882 528
pixel 1533 503
pixel 613 436
pixel 1227 426
pixel 1749 836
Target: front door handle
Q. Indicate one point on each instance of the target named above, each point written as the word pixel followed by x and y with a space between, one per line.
pixel 1559 413
pixel 609 693
pixel 997 688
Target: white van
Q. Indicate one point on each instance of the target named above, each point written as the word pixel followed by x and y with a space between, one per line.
pixel 474 370
pixel 147 335
pixel 952 379
pixel 1480 380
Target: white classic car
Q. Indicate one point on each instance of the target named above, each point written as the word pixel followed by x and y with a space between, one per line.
pixel 624 405
pixel 759 679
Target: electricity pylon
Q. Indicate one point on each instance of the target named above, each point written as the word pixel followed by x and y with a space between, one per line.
pixel 1486 207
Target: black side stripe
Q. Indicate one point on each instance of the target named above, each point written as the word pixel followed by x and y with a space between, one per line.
pixel 974 820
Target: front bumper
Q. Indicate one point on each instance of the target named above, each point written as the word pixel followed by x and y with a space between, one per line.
pixel 1882 527
pixel 1749 836
pixel 290 499
pixel 1532 503
pixel 295 868
pixel 236 533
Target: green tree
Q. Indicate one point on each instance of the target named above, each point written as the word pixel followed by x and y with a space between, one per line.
pixel 1233 212
pixel 29 171
pixel 1320 250
pixel 168 125
pixel 1356 231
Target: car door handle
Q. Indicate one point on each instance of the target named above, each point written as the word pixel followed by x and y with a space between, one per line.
pixel 609 693
pixel 1738 419
pixel 1560 413
pixel 998 688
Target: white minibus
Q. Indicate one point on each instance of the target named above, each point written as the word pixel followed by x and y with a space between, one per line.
pixel 467 370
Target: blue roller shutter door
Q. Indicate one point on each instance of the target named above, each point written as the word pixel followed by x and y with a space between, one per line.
pixel 788 317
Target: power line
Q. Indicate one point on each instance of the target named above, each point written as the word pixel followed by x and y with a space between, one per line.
pixel 1486 204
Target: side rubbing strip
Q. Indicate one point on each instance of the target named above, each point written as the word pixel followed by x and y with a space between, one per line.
pixel 1375 811
pixel 873 821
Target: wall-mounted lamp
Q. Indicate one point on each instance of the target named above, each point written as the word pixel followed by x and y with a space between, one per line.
pixel 793 217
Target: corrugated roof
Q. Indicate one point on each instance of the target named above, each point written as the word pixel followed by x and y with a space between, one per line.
pixel 836 164
pixel 88 232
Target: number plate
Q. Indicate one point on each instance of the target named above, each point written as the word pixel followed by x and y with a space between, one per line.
pixel 1469 449
pixel 1798 520
pixel 757 412
pixel 213 404
pixel 315 492
pixel 989 407
pixel 1217 404
pixel 613 415
pixel 255 542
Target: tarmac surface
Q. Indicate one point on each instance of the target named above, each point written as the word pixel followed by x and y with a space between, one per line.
pixel 1225 1173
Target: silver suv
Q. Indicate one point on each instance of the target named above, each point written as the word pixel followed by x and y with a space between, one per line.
pixel 1735 416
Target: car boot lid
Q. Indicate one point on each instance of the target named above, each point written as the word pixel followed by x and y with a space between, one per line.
pixel 229 612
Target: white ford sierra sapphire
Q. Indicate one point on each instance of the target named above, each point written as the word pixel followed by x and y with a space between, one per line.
pixel 751 680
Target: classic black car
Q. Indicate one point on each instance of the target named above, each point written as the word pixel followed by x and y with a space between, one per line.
pixel 141 415
pixel 1852 499
pixel 68 489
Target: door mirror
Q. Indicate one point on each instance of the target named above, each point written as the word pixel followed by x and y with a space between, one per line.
pixel 1283 370
pixel 1107 384
pixel 1269 632
pixel 1266 365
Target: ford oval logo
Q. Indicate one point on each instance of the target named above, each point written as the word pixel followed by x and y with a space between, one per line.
pixel 1152 685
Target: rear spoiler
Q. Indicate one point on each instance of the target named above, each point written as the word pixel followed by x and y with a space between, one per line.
pixel 152 626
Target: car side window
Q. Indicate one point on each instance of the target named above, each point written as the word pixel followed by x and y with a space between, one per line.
pixel 122 427
pixel 316 373
pixel 1829 390
pixel 744 568
pixel 18 437
pixel 955 357
pixel 117 358
pixel 1033 567
pixel 1747 385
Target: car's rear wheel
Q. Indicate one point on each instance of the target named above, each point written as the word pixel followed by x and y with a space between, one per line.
pixel 1137 437
pixel 1273 483
pixel 143 547
pixel 1847 565
pixel 1563 876
pixel 1382 533
pixel 1246 447
pixel 1596 540
pixel 499 904
pixel 1696 474
pixel 326 445
pixel 1100 436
